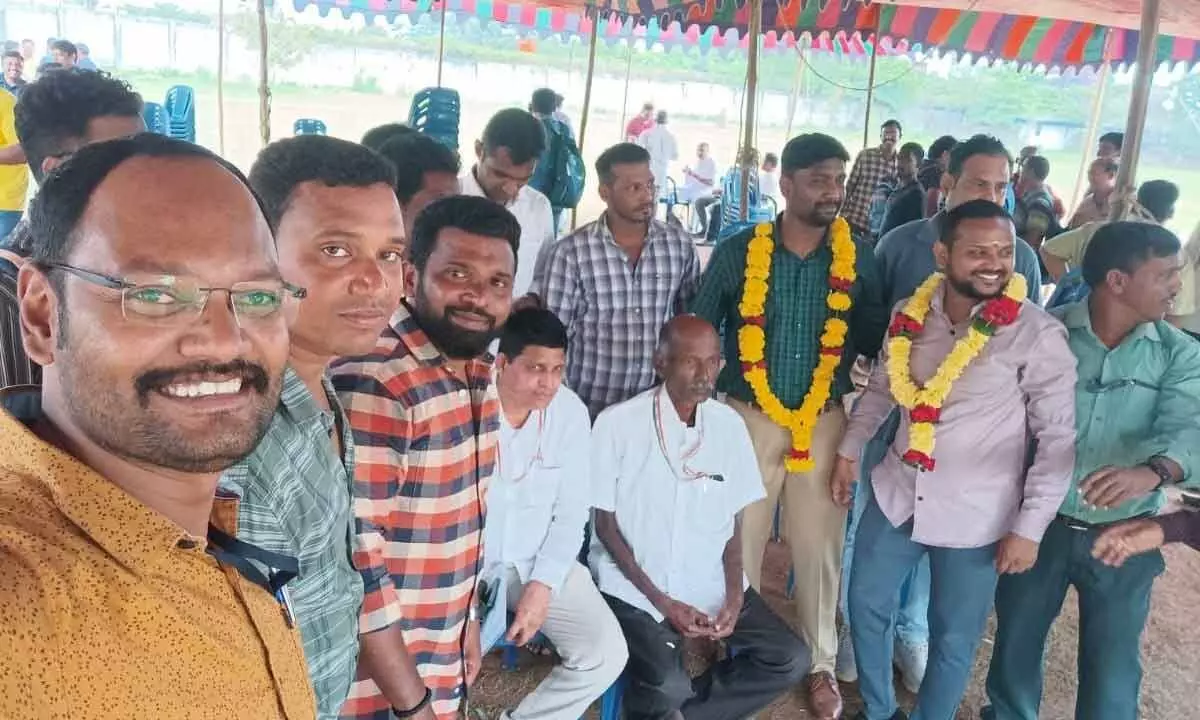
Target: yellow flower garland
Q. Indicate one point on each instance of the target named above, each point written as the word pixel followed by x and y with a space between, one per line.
pixel 924 404
pixel 752 337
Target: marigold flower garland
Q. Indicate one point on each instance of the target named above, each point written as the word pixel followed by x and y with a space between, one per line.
pixel 752 337
pixel 924 404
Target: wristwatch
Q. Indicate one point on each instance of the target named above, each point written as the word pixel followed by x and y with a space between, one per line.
pixel 1158 465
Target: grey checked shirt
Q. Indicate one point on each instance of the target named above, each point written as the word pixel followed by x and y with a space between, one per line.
pixel 295 499
pixel 614 312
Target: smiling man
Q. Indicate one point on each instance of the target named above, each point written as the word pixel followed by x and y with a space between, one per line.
pixel 340 236
pixel 155 305
pixel 425 419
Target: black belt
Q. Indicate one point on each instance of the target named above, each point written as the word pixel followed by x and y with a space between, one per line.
pixel 1082 526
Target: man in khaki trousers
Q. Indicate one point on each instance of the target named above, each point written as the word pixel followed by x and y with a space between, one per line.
pixel 798 329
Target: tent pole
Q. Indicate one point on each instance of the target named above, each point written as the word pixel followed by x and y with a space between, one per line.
pixel 441 43
pixel 264 86
pixel 1092 131
pixel 587 92
pixel 748 158
pixel 794 100
pixel 221 77
pixel 870 91
pixel 625 99
pixel 1138 104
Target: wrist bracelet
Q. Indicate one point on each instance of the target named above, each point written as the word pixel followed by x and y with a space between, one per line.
pixel 416 708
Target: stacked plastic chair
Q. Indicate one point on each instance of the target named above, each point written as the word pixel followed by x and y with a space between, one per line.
pixel 308 126
pixel 435 112
pixel 155 117
pixel 761 210
pixel 181 113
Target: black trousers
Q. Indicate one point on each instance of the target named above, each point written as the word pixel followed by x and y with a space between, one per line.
pixel 767 659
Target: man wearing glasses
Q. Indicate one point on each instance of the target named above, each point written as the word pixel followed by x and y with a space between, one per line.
pixel 339 233
pixel 1136 404
pixel 154 303
pixel 615 282
pixel 537 507
pixel 672 470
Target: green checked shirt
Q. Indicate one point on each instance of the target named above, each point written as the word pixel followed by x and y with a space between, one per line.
pixel 795 314
pixel 1135 401
pixel 295 499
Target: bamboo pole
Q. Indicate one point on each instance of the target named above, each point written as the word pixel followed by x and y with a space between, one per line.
pixel 747 158
pixel 625 98
pixel 1093 131
pixel 587 92
pixel 441 44
pixel 264 85
pixel 1139 102
pixel 794 100
pixel 870 90
pixel 221 77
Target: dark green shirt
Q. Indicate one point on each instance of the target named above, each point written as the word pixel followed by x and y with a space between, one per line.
pixel 795 315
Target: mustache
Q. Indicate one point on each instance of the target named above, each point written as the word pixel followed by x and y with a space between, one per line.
pixel 253 375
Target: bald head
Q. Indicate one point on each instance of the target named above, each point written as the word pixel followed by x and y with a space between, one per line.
pixel 688 360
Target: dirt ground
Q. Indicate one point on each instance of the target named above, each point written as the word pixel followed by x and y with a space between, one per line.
pixel 1171 655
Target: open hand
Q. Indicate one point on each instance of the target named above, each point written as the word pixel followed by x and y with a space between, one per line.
pixel 1121 542
pixel 1111 487
pixel 530 614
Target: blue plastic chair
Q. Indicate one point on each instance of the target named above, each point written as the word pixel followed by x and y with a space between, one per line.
pixel 155 117
pixel 309 126
pixel 180 106
pixel 435 112
pixel 761 209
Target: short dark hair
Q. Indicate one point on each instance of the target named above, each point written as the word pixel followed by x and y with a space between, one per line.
pixel 518 132
pixel 20 240
pixel 544 101
pixel 944 144
pixel 56 109
pixel 15 55
pixel 892 122
pixel 1125 246
pixel 770 158
pixel 620 154
pixel 532 326
pixel 1159 198
pixel 1038 165
pixel 66 47
pixel 976 145
pixel 413 156
pixel 475 215
pixel 286 164
pixel 56 210
pixel 804 151
pixel 914 149
pixel 380 134
pixel 1116 139
pixel 949 221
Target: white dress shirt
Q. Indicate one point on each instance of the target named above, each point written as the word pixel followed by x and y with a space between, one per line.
pixel 768 184
pixel 537 503
pixel 660 143
pixel 533 212
pixel 676 514
pixel 692 188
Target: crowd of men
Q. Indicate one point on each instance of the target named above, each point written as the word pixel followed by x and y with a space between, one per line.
pixel 259 459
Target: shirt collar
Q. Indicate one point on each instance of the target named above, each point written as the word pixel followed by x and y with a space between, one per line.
pixel 469 185
pixel 298 403
pixel 137 536
pixel 1078 316
pixel 418 344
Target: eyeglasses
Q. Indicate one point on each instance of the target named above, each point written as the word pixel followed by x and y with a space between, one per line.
pixel 175 299
pixel 1098 388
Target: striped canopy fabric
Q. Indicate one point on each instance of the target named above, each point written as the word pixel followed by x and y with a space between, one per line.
pixel 842 26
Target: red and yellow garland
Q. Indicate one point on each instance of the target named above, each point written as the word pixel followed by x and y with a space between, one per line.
pixel 924 404
pixel 752 337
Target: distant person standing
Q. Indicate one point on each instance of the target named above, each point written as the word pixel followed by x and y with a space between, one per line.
pixel 768 178
pixel 506 156
pixel 85 58
pixel 553 176
pixel 906 203
pixel 872 167
pixel 660 143
pixel 1096 205
pixel 640 123
pixel 64 53
pixel 14 69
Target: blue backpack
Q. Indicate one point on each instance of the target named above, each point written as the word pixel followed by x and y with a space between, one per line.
pixel 879 202
pixel 560 173
pixel 1071 288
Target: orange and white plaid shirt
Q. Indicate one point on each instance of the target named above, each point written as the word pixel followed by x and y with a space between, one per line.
pixel 425 448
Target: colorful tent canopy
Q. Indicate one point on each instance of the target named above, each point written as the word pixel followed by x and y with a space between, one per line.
pixel 832 25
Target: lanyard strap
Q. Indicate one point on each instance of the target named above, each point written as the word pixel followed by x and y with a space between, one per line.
pixel 231 551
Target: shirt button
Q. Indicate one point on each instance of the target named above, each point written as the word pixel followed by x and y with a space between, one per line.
pixel 920 497
pixel 463 395
pixel 187 544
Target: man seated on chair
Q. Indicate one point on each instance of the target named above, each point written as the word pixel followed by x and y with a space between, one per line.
pixel 537 507
pixel 699 182
pixel 671 470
